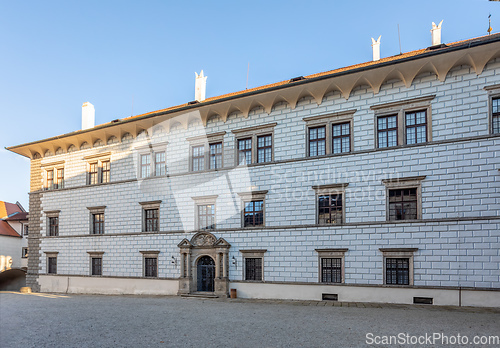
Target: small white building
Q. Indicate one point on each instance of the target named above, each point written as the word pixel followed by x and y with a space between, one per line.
pixel 377 182
pixel 13 236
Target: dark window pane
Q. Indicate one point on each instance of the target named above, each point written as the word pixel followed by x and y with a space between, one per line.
pixel 253 214
pixel 96 266
pixel 53 226
pixel 245 151
pixel 496 115
pixel 160 163
pixel 151 267
pixel 397 271
pixel 151 220
pixel 330 209
pixel 97 223
pixel 253 268
pixel 317 141
pixel 105 171
pixel 215 155
pixel 387 128
pixel 341 139
pixel 52 265
pixel 403 204
pixel 416 127
pixel 264 148
pixel 331 270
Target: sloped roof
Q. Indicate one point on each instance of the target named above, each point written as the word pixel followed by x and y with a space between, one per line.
pixel 8 209
pixel 17 217
pixel 7 230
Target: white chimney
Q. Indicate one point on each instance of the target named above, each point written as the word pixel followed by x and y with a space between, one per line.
pixel 88 116
pixel 436 33
pixel 376 48
pixel 200 87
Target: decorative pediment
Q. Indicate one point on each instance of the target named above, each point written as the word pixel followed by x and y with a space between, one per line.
pixel 222 243
pixel 203 239
pixel 185 244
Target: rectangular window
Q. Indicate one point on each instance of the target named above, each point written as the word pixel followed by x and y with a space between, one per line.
pixel 317 141
pixel 331 270
pixel 495 114
pixel 253 268
pixel 403 204
pixel 416 127
pixel 206 217
pixel 245 151
pixel 254 214
pixel 98 223
pixel 93 173
pixel 397 271
pixel 151 267
pixel 215 155
pixel 52 265
pixel 59 179
pixel 160 164
pixel 264 148
pixel 24 254
pixel 50 179
pixel 341 137
pixel 151 220
pixel 26 230
pixel 105 171
pixel 387 130
pixel 53 226
pixel 145 166
pixel 96 265
pixel 330 209
pixel 198 158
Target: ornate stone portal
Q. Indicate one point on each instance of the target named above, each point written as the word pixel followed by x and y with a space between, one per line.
pixel 194 272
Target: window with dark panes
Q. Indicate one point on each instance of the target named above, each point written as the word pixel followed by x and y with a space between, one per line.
pixel 50 179
pixel 416 127
pixel 317 141
pixel 245 151
pixel 151 267
pixel 264 148
pixel 96 266
pixel 53 226
pixel 60 178
pixel 331 270
pixel 145 165
pixel 254 214
pixel 215 155
pixel 160 164
pixel 397 271
pixel 98 223
pixel 341 137
pixel 151 220
pixel 206 217
pixel 92 174
pixel 26 230
pixel 105 171
pixel 330 209
pixel 495 115
pixel 24 254
pixel 403 204
pixel 253 268
pixel 52 265
pixel 387 130
pixel 198 158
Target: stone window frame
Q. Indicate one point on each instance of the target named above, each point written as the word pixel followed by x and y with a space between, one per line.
pixel 404 183
pixel 52 214
pixel 151 150
pixel 253 133
pixel 54 167
pixel 48 255
pixel 255 254
pixel 399 253
pixel 93 255
pixel 204 200
pixel 328 253
pixel 327 121
pixel 98 159
pixel 96 210
pixel 330 189
pixel 153 254
pixel 493 92
pixel 400 108
pixel 205 140
pixel 147 206
pixel 252 196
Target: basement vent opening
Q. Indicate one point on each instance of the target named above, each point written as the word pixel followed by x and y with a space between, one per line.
pixel 330 297
pixel 298 78
pixel 422 300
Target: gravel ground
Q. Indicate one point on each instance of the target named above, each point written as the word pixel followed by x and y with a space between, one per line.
pixel 50 320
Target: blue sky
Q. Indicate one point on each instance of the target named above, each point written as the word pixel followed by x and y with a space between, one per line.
pixel 131 57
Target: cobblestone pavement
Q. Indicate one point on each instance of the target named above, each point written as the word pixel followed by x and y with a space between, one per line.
pixel 51 320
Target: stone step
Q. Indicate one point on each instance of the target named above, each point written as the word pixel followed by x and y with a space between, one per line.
pixel 200 295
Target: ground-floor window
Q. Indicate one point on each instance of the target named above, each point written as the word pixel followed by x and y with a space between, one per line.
pixel 397 271
pixel 253 268
pixel 331 270
pixel 96 268
pixel 52 265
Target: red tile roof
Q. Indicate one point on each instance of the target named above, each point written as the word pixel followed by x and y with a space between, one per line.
pixel 7 230
pixel 18 216
pixel 7 209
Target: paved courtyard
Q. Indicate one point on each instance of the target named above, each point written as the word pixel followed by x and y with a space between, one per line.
pixel 50 320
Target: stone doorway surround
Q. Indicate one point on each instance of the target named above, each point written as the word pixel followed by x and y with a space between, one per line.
pixel 204 244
